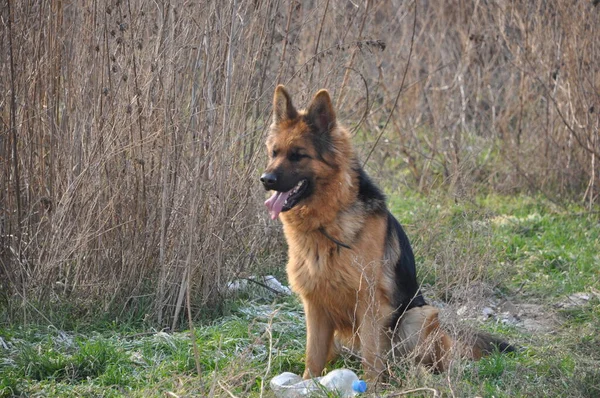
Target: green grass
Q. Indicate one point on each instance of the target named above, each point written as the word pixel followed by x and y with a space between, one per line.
pixel 113 363
pixel 518 249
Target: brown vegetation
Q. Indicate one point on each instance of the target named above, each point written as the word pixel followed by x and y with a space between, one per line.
pixel 132 131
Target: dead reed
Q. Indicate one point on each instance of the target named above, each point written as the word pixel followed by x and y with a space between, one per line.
pixel 131 131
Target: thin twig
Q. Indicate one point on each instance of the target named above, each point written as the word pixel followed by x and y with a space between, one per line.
pixel 367 104
pixel 317 44
pixel 192 330
pixel 435 392
pixel 340 99
pixel 232 395
pixel 285 41
pixel 13 129
pixel 270 358
pixel 412 42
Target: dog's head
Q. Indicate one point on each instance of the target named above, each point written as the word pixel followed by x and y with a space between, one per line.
pixel 300 149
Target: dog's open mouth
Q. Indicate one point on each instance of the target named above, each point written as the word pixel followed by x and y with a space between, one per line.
pixel 283 201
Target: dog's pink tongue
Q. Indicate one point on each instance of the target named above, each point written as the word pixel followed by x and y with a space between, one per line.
pixel 275 203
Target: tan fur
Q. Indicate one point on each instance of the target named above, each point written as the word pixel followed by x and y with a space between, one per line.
pixel 420 335
pixel 346 292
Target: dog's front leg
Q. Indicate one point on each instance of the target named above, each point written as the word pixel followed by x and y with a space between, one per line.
pixel 374 343
pixel 319 338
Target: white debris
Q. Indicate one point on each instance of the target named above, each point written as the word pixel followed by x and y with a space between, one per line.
pixel 506 318
pixel 274 284
pixel 268 282
pixel 64 339
pixel 488 312
pixel 237 285
pixel 577 299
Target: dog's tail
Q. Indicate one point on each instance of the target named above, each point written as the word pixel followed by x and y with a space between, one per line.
pixel 419 334
pixel 485 344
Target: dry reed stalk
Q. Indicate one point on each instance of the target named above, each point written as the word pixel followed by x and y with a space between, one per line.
pixel 132 132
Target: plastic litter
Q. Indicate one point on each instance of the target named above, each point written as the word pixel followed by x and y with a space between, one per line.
pixel 342 381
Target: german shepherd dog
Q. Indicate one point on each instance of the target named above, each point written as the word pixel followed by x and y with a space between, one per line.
pixel 349 259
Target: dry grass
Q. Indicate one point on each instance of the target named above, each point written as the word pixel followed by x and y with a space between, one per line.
pixel 132 131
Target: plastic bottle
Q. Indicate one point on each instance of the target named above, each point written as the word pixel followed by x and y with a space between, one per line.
pixel 343 381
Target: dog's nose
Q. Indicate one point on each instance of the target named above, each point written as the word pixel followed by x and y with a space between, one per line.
pixel 268 179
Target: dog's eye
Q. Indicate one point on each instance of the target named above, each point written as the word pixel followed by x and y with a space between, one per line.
pixel 274 154
pixel 295 156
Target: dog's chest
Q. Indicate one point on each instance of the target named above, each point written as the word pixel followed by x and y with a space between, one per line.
pixel 320 267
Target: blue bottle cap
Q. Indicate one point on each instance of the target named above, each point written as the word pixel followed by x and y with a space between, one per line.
pixel 359 386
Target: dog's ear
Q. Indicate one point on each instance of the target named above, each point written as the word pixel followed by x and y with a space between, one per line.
pixel 320 112
pixel 283 109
